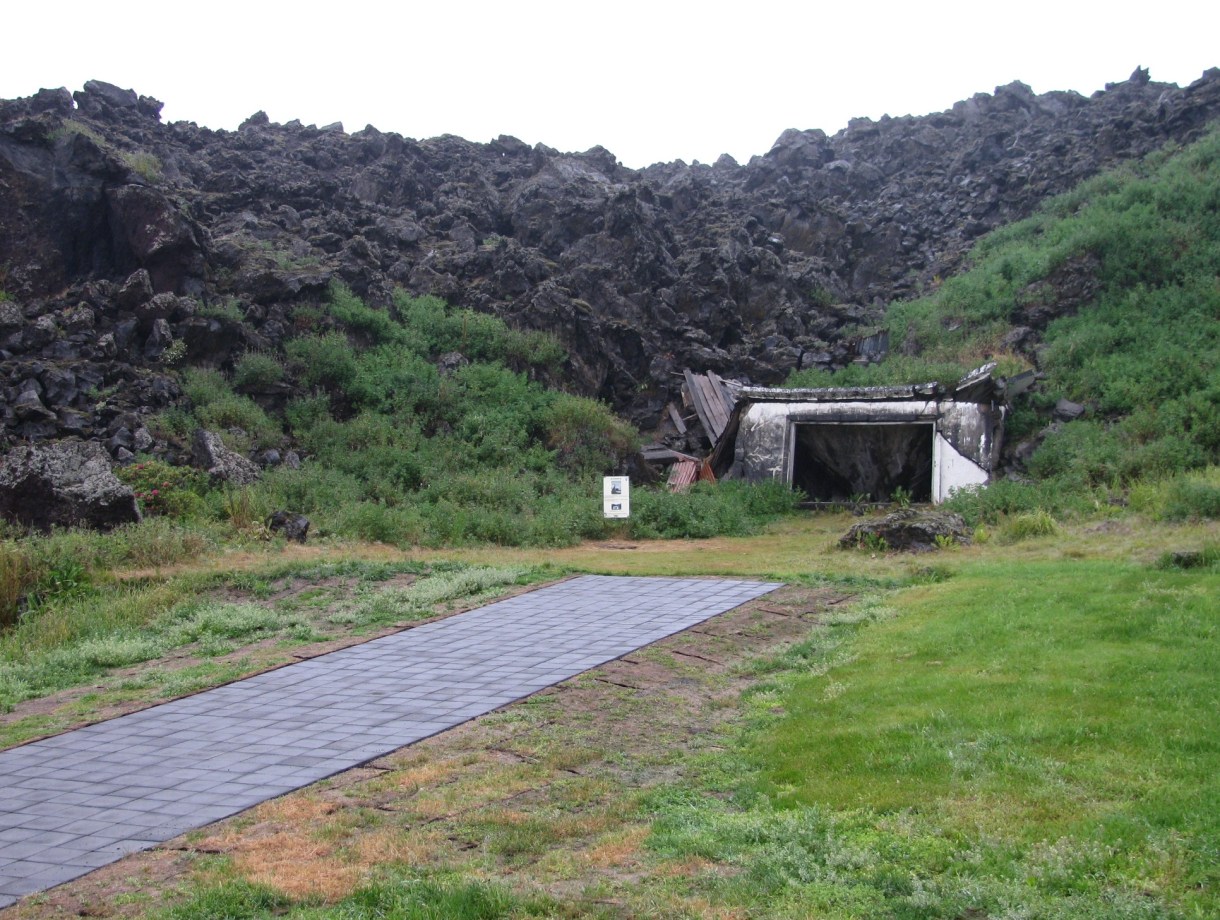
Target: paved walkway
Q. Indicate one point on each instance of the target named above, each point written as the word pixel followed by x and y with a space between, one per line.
pixel 80 800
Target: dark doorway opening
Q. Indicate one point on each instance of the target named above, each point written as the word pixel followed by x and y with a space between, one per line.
pixel 841 461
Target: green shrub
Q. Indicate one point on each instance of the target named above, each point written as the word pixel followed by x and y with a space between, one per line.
pixel 203 386
pixel 433 328
pixel 1027 524
pixel 240 412
pixel 587 438
pixel 395 379
pixel 17 576
pixel 306 318
pixel 174 422
pixel 1207 558
pixel 257 370
pixel 1085 452
pixel 161 541
pixel 309 490
pixel 377 326
pixel 702 511
pixel 307 412
pixel 227 309
pixel 1192 498
pixel 322 360
pixel 145 165
pixel 397 526
pixel 763 500
pixel 990 503
pixel 161 488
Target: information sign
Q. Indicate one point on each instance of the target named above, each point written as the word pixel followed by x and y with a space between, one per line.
pixel 616 496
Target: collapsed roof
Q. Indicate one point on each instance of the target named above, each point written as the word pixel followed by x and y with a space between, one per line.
pixel 857 443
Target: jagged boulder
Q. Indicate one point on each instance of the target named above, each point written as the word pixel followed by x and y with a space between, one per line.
pixel 908 530
pixel 292 526
pixel 66 484
pixel 208 451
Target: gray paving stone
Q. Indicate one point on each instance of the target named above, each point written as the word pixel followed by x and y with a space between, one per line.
pixel 91 796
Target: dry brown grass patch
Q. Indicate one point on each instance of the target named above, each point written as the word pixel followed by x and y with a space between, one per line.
pixel 621 849
pixel 298 864
pixel 414 778
pixel 396 846
pixel 701 907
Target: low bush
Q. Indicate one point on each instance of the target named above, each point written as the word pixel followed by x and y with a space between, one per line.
pixel 324 360
pixel 587 438
pixel 204 385
pixel 1207 558
pixel 257 370
pixel 988 504
pixel 17 576
pixel 376 326
pixel 162 489
pixel 1192 498
pixel 707 510
pixel 378 523
pixel 215 406
pixel 161 541
pixel 1028 524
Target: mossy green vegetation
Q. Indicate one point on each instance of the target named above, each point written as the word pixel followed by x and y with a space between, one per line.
pixel 1127 266
pixel 399 451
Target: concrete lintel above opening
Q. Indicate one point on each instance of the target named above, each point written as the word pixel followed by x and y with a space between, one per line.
pixel 910 391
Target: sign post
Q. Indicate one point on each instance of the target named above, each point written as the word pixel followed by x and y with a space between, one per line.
pixel 616 496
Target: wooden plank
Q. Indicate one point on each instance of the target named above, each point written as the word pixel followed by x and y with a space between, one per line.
pixel 696 397
pixel 676 417
pixel 715 407
pixel 703 402
pixel 728 398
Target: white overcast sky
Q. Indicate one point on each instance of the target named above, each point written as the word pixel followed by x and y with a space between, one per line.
pixel 650 81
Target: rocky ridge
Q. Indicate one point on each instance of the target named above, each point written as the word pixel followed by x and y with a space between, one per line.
pixel 128 245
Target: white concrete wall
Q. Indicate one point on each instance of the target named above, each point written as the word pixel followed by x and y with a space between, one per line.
pixel 950 470
pixel 765 437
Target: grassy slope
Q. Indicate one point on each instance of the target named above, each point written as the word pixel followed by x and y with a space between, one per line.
pixel 1131 260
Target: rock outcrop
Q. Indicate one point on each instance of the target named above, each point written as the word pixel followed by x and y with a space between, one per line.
pixel 908 530
pixel 208 452
pixel 128 245
pixel 64 484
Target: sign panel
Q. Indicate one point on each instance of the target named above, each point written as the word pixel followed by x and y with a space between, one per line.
pixel 616 496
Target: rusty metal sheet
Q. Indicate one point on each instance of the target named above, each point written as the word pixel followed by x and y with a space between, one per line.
pixel 682 475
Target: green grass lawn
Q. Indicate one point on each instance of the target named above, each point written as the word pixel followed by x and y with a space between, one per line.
pixel 1023 740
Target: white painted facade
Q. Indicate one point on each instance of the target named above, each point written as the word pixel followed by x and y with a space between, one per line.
pixel 965 435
